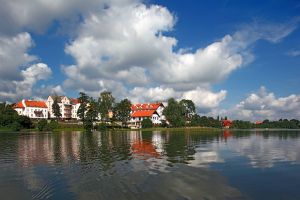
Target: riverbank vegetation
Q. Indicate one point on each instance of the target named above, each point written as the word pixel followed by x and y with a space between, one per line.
pixel 9 119
pixel 105 113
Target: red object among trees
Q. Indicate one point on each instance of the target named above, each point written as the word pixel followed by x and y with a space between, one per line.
pixel 227 123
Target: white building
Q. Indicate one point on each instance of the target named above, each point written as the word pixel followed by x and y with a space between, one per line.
pixel 32 109
pixel 68 107
pixel 153 111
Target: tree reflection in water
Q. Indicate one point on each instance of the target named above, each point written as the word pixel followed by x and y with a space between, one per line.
pixel 135 164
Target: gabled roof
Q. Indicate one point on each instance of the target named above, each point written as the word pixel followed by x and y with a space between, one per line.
pixel 35 104
pixel 59 98
pixel 146 106
pixel 143 113
pixel 18 105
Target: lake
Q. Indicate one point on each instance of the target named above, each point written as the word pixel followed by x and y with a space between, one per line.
pixel 150 165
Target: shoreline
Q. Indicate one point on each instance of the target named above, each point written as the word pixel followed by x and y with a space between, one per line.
pixel 200 129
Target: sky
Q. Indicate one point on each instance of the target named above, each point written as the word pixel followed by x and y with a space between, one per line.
pixel 233 58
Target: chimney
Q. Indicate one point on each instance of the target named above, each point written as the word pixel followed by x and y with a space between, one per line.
pixel 23 103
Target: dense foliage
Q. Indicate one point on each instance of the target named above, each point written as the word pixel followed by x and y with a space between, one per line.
pixel 90 115
pixel 122 111
pixel 91 111
pixel 147 123
pixel 189 108
pixel 9 118
pixel 42 125
pixel 175 113
pixel 240 124
pixel 204 121
pixel 282 123
pixel 83 100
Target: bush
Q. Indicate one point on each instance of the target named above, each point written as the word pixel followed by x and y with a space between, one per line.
pixel 102 127
pixel 25 122
pixel 147 123
pixel 53 125
pixel 42 125
pixel 16 126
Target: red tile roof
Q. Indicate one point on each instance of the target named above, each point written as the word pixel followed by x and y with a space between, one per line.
pixel 227 123
pixel 18 105
pixel 37 104
pixel 74 101
pixel 145 106
pixel 143 113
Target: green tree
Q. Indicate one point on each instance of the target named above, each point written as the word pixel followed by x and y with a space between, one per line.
pixel 189 108
pixel 174 113
pixel 122 111
pixel 83 100
pixel 7 114
pixel 56 108
pixel 195 120
pixel 147 123
pixel 10 118
pixel 91 115
pixel 106 102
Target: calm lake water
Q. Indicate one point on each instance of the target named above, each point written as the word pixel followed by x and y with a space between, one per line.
pixel 150 165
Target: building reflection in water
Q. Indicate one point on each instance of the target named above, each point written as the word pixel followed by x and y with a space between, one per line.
pixel 35 150
pixel 162 148
pixel 45 149
pixel 58 160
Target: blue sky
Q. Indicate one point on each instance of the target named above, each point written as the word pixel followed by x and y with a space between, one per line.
pixel 234 58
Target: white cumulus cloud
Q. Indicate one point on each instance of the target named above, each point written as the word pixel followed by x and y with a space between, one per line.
pixel 19 70
pixel 265 105
pixel 37 15
pixel 127 47
pixel 17 89
pixel 204 98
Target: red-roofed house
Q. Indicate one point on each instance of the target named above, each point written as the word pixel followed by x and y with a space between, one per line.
pixel 227 123
pixel 153 111
pixel 32 109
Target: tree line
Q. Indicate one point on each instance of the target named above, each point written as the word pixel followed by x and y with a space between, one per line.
pixel 178 114
pixel 90 109
pixel 279 124
pixel 183 113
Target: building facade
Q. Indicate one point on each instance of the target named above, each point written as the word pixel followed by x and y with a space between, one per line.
pixel 32 109
pixel 68 107
pixel 153 111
